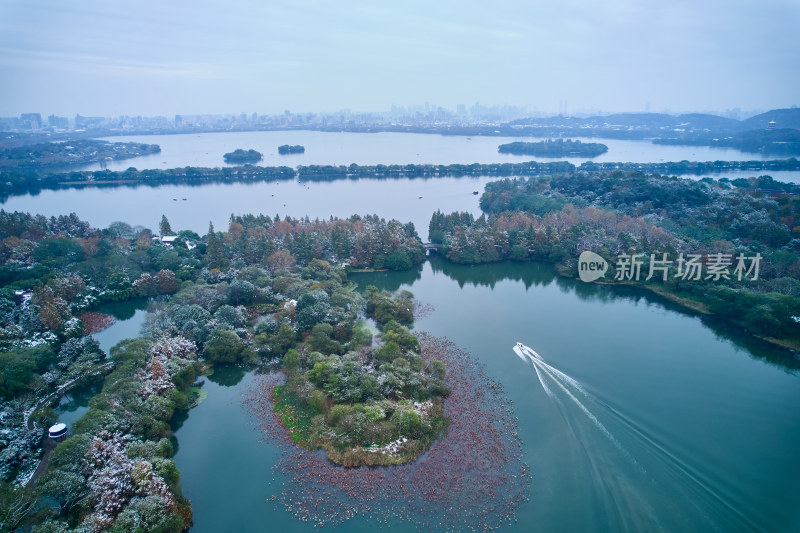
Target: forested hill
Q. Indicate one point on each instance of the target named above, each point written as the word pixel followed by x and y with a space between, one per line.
pixel 621 214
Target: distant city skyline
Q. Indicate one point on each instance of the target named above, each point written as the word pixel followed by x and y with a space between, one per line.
pixel 111 59
pixel 394 110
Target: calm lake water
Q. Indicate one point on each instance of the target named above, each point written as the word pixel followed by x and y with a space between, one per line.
pixel 676 425
pixel 409 200
pixel 129 317
pixel 678 428
pixel 329 148
pixel 398 198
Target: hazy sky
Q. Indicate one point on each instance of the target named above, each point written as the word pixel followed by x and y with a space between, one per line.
pixel 108 57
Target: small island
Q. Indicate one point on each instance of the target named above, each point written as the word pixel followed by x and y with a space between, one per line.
pixel 554 148
pixel 241 157
pixel 295 149
pixel 369 406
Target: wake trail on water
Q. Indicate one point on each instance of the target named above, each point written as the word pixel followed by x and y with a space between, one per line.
pixel 544 385
pixel 572 388
pixel 601 479
pixel 678 466
pixel 564 382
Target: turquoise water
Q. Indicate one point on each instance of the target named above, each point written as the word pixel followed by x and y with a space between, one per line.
pixel 129 317
pixel 658 421
pixel 674 426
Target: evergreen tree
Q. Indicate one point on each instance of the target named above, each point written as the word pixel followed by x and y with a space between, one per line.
pixel 164 226
pixel 215 257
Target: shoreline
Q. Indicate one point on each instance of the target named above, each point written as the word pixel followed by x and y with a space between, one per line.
pixel 482 453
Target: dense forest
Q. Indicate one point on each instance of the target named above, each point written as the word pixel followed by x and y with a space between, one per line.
pixel 285 149
pixel 263 292
pixel 554 148
pixel 724 224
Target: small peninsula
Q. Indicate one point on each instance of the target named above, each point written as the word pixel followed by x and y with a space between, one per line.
pixel 295 149
pixel 242 157
pixel 55 155
pixel 554 148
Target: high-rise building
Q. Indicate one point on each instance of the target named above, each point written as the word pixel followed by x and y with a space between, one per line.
pixel 31 121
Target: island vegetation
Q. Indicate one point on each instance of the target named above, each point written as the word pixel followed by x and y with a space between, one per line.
pixel 36 157
pixel 251 295
pixel 241 157
pixel 291 149
pixel 16 183
pixel 359 385
pixel 368 406
pixel 777 142
pixel 620 214
pixel 474 477
pixel 554 148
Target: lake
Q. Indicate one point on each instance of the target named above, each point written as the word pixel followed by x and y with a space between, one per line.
pixel 344 148
pixel 410 200
pixel 676 424
pixel 678 427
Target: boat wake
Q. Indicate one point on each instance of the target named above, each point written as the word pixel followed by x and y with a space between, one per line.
pixel 627 510
pixel 565 383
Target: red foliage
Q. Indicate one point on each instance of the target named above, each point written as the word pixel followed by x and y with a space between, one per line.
pixel 96 322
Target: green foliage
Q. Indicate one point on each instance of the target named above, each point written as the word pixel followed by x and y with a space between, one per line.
pixel 16 372
pixel 148 515
pixel 58 251
pixel 164 227
pixel 292 359
pixel 16 505
pixel 398 260
pixel 240 156
pixel 408 422
pixel 224 346
pixel 554 148
pixel 241 292
pixel 291 149
pixel 318 401
pixel 384 307
pixel 320 339
pixel 312 308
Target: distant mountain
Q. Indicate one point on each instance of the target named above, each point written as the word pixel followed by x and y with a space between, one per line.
pixel 689 122
pixel 711 122
pixel 784 118
pixel 780 141
pixel 653 120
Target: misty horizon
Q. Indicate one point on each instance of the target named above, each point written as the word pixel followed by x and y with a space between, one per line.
pixel 160 59
pixel 736 113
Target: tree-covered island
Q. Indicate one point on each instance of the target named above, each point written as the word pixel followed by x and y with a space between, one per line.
pixel 363 405
pixel 241 157
pixel 554 148
pixel 53 155
pixel 285 149
pixel 30 182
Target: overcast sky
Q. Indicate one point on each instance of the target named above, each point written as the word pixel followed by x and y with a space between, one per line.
pixel 108 57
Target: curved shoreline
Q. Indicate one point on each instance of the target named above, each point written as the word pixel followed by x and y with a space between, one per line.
pixel 472 477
